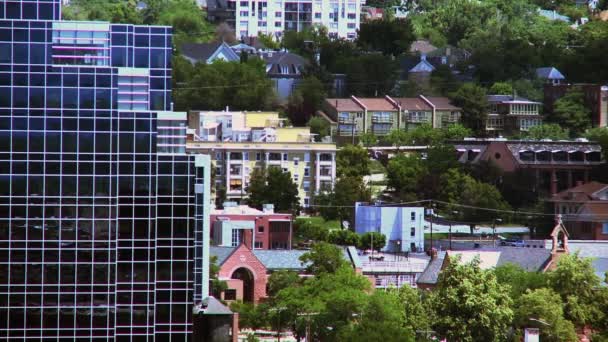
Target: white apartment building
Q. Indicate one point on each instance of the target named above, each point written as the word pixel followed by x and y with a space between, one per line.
pixel 249 17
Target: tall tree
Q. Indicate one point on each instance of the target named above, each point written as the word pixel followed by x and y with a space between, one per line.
pixel 371 74
pixel 472 305
pixel 403 175
pixel 472 99
pixel 319 126
pixel 547 131
pixel 323 258
pixel 336 203
pixel 391 37
pixel 273 186
pixel 352 160
pixel 305 100
pixel 570 111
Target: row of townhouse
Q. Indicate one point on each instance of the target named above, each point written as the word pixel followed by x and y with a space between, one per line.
pixel 239 142
pixel 351 117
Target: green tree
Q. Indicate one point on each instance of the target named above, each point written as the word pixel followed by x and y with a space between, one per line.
pixel 188 21
pixel 273 186
pixel 371 74
pixel 501 88
pixel 470 304
pixel 391 37
pixel 375 239
pixel 336 203
pixel 456 132
pixel 443 82
pixel 570 111
pixel 305 100
pixel 241 86
pixel 398 137
pixel 403 175
pixel 380 320
pixel 472 99
pixel 599 135
pixel 217 285
pixel 306 230
pixel 519 280
pixel 352 161
pixel 344 237
pixel 323 258
pixel 280 280
pixel 368 139
pixel 416 313
pixel 268 41
pixel 319 126
pixel 546 306
pixel 575 281
pixel 250 316
pixel 547 131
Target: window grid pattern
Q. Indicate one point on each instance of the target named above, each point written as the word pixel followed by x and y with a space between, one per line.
pixel 95 225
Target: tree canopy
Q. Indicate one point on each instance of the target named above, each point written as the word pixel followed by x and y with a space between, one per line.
pixel 273 186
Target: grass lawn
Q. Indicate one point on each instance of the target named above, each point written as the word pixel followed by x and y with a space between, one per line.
pixel 332 225
pixel 376 167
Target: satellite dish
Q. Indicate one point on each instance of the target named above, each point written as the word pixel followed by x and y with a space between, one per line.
pixel 345 224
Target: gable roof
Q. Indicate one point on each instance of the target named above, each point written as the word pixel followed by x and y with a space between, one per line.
pixel 206 52
pixel 580 193
pixel 344 105
pixel 487 259
pixel 377 104
pixel 442 103
pixel 412 103
pixel 431 273
pixel 278 60
pixel 549 73
pixel 423 66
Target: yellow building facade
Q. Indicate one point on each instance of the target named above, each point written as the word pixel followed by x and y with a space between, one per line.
pixel 240 142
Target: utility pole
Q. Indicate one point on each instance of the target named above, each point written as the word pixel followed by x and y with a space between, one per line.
pixel 432 214
pixel 455 213
pixel 494 230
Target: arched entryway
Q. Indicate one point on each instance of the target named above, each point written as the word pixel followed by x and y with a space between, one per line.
pixel 245 275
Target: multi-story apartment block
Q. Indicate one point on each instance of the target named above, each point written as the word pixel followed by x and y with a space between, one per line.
pixel 511 115
pixel 351 117
pixel 239 142
pixel 100 207
pixel 250 17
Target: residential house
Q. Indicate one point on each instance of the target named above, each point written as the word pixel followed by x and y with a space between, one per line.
pixel 394 270
pixel 584 210
pixel 403 227
pixel 208 52
pixel 239 142
pixel 554 165
pixel 511 114
pixel 595 98
pixel 246 271
pixel 424 58
pixel 550 75
pixel 257 229
pixel 285 70
pixel 351 117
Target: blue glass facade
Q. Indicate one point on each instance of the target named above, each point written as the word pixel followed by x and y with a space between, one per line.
pixel 96 191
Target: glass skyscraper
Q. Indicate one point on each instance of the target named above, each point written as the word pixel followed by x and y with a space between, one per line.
pixel 99 204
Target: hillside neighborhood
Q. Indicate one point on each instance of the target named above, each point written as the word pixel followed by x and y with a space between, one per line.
pixel 304 170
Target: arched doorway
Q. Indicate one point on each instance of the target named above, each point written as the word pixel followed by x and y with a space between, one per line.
pixel 245 275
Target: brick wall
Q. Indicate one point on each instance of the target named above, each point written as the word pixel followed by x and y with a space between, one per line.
pixel 243 258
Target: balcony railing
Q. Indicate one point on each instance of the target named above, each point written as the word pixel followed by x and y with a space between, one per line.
pixel 382 119
pixel 349 121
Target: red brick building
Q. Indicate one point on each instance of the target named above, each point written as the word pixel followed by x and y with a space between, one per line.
pixel 257 229
pixel 595 96
pixel 555 165
pixel 584 210
pixel 246 271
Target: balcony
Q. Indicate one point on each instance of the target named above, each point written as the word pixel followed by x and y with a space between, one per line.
pixel 382 119
pixel 347 121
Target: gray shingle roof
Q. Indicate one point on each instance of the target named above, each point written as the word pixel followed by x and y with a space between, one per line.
pixel 530 259
pixel 431 273
pixel 549 73
pixel 276 259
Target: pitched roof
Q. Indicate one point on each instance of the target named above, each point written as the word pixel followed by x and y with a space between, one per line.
pixel 412 103
pixel 594 211
pixel 530 259
pixel 580 193
pixel 549 73
pixel 215 307
pixel 277 259
pixel 278 60
pixel 201 52
pixel 488 259
pixel 344 105
pixel 431 273
pixel 377 104
pixel 423 66
pixel 442 103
